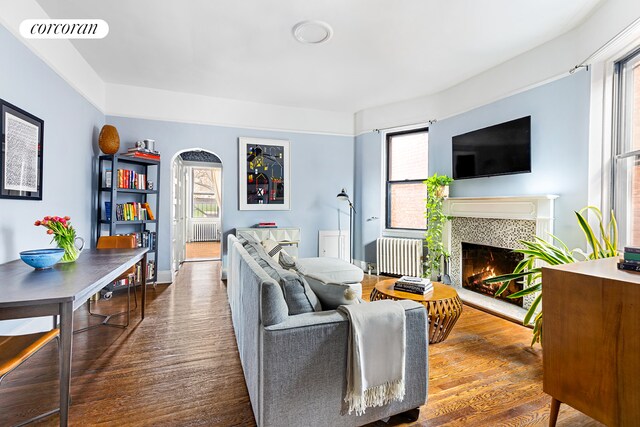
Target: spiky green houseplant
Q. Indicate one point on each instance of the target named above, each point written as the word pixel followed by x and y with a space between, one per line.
pixel 540 251
pixel 435 223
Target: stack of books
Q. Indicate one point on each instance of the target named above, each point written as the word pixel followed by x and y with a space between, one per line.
pixel 143 153
pixel 414 285
pixel 631 261
pixel 265 225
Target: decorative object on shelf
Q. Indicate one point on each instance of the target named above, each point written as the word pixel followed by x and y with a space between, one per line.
pixel 41 259
pixel 64 235
pixel 540 251
pixel 109 140
pixel 437 190
pixel 21 159
pixel 149 185
pixel 264 178
pixel 150 144
pixel 343 196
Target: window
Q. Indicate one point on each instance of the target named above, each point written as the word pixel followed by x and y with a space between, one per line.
pixel 407 168
pixel 627 149
pixel 204 196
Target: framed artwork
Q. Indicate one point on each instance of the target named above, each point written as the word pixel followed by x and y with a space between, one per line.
pixel 21 141
pixel 264 177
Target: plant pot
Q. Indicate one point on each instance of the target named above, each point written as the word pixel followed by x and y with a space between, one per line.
pixel 443 191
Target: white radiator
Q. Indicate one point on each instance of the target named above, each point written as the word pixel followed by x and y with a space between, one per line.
pixel 204 232
pixel 399 256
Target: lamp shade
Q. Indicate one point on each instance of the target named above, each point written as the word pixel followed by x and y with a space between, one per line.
pixel 343 195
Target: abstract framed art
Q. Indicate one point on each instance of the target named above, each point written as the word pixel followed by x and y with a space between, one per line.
pixel 21 160
pixel 264 174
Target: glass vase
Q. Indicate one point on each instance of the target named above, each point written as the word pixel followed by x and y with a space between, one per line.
pixel 71 249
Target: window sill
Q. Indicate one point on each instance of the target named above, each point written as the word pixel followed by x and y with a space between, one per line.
pixel 407 234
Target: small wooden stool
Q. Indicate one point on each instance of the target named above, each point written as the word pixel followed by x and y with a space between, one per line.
pixel 15 350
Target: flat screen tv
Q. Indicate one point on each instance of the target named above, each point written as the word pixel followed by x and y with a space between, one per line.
pixel 502 149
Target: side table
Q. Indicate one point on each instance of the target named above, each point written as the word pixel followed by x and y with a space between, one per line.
pixel 443 306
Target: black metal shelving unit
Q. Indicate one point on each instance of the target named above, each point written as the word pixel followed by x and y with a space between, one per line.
pixel 113 194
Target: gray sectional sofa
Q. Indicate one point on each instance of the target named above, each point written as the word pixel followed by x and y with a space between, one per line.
pixel 295 365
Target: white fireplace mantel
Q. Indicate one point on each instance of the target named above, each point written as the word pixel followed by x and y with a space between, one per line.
pixel 533 208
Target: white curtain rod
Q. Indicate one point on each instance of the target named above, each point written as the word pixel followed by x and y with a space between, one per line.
pixel 428 122
pixel 612 40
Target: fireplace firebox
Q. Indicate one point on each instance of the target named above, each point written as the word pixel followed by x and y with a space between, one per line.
pixel 481 262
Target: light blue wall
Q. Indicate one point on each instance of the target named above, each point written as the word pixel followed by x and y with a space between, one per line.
pixel 71 125
pixel 369 200
pixel 320 166
pixel 559 143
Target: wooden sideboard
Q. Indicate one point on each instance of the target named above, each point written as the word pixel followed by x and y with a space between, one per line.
pixel 591 340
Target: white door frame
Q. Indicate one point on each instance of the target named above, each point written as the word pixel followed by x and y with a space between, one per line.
pixel 171 231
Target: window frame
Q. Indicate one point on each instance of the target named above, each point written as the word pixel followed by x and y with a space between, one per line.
pixel 389 182
pixel 622 147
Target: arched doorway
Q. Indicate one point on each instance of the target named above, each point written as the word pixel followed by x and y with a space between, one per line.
pixel 196 213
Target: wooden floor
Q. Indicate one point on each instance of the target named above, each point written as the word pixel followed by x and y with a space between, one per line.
pixel 180 367
pixel 202 250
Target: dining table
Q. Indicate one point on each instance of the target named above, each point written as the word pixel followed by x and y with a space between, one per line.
pixel 58 291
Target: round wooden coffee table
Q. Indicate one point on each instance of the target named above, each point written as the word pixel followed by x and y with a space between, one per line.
pixel 443 306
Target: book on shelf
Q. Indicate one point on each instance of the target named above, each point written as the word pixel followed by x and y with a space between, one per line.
pixel 146 239
pixel 632 249
pixel 142 150
pixel 143 155
pixel 149 211
pixel 130 179
pixel 132 211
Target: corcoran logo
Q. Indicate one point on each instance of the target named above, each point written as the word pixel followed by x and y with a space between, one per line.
pixel 64 29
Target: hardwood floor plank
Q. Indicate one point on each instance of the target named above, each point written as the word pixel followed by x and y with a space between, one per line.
pixel 180 367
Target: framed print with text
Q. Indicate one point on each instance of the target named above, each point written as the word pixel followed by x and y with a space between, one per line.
pixel 21 142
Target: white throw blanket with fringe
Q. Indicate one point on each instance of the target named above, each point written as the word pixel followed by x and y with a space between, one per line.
pixel 375 358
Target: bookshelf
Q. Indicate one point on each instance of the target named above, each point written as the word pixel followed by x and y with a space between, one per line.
pixel 126 204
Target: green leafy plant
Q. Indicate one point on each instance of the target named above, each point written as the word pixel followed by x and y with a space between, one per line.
pixel 555 252
pixel 436 219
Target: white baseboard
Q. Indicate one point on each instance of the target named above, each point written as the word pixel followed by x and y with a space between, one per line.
pixel 164 277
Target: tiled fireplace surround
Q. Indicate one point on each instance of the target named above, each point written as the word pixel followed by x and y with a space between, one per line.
pixel 499 222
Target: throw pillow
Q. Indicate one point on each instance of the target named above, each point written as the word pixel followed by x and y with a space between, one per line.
pixel 297 293
pixel 273 248
pixel 331 294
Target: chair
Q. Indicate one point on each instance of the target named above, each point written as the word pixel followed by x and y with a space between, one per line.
pixel 14 350
pixel 116 242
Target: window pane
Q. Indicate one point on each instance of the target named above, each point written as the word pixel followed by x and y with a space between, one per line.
pixel 407 203
pixel 203 180
pixel 205 206
pixel 408 156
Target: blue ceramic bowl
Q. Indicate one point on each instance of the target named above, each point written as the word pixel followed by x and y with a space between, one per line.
pixel 42 258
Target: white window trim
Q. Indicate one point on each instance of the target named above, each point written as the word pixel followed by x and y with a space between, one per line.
pixel 394 232
pixel 601 131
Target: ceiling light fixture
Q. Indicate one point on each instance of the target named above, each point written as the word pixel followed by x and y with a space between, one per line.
pixel 312 32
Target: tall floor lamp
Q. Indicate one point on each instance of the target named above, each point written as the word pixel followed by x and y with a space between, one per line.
pixel 345 197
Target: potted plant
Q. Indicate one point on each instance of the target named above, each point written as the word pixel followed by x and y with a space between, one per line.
pixel 437 191
pixel 555 252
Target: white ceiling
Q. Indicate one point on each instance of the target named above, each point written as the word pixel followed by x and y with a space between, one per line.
pixel 382 51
